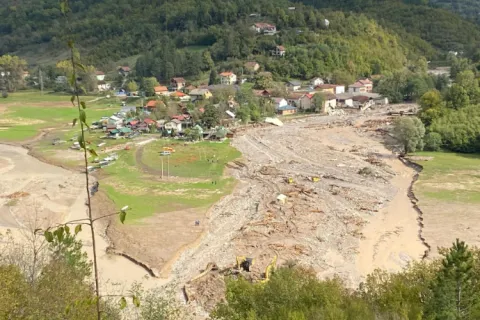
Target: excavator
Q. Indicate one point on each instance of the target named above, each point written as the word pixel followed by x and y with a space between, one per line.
pixel 245 264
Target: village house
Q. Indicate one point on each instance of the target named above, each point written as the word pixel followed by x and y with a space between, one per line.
pixel 329 103
pixel 161 91
pixel 363 85
pixel 124 70
pixel 25 75
pixel 264 28
pixel 316 81
pixel 344 100
pixel 279 102
pixel 116 121
pixel 286 110
pixel 303 101
pixel 294 85
pixel 279 51
pixel 228 78
pixel 190 88
pixel 100 75
pixel 174 124
pixel 152 105
pixel 181 96
pixel 177 83
pixel 103 86
pixel 251 66
pixel 262 93
pixel 200 94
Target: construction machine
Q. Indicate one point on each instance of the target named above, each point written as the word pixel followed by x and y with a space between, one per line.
pixel 270 269
pixel 314 179
pixel 289 180
pixel 244 263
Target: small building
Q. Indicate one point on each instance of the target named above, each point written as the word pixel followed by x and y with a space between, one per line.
pixel 200 94
pixel 316 81
pixel 303 101
pixel 177 83
pixel 363 85
pixel 294 85
pixel 100 75
pixel 344 101
pixel 326 88
pixel 264 28
pixel 251 66
pixel 173 125
pixel 161 91
pixel 279 102
pixel 151 105
pixel 181 96
pixel 124 71
pixel 114 120
pixel 262 93
pixel 228 78
pixel 329 103
pixel 103 86
pixel 279 51
pixel 286 110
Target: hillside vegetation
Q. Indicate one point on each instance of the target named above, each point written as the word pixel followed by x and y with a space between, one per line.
pixel 108 31
pixel 414 19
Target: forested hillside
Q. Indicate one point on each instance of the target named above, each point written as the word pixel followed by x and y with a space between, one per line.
pixel 469 9
pixel 442 29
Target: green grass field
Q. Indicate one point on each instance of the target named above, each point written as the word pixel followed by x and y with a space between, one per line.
pixel 451 177
pixel 28 112
pixel 147 194
pixel 199 160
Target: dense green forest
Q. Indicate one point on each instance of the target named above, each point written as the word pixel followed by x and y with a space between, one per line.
pixel 171 36
pixel 469 9
pixel 413 19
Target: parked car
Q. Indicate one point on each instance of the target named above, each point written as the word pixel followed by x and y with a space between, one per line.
pixel 165 153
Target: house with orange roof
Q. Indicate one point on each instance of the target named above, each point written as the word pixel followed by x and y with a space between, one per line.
pixel 161 91
pixel 181 96
pixel 177 83
pixel 362 85
pixel 228 78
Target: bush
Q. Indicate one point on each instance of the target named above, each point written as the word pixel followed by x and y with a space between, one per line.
pixel 410 132
pixel 433 141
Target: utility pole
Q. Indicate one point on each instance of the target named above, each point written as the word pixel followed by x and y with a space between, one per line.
pixel 162 165
pixel 41 79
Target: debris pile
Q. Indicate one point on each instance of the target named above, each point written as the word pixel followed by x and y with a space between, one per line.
pixel 17 195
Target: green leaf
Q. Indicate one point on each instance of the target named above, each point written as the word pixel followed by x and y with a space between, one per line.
pixel 123 303
pixel 72 80
pixel 74 122
pixel 67 310
pixel 82 103
pixel 83 116
pixel 72 100
pixel 80 66
pixel 93 152
pixel 60 234
pixel 123 215
pixel 78 228
pixel 70 44
pixel 63 7
pixel 48 236
pixel 81 141
pixel 67 230
pixel 136 301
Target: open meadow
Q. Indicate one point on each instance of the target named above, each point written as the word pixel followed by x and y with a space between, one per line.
pixel 448 190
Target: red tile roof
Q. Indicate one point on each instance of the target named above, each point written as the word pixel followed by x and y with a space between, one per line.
pixel 133 122
pixel 180 117
pixel 151 104
pixel 178 94
pixel 125 68
pixel 263 25
pixel 99 73
pixel 149 121
pixel 281 48
pixel 160 89
pixel 226 74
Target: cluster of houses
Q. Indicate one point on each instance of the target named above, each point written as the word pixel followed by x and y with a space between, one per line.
pixel 301 97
